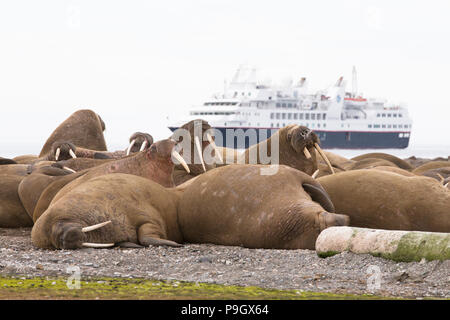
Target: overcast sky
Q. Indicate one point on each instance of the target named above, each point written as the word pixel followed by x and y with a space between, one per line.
pixel 137 62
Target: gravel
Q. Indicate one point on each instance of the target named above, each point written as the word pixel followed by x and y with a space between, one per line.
pixel 277 269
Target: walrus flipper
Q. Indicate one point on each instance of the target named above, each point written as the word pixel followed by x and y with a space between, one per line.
pixel 126 244
pixel 149 241
pixel 319 195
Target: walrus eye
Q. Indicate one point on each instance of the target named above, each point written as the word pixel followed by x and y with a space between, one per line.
pixel 153 148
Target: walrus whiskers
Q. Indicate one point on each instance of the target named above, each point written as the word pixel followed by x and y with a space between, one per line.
pixel 57 154
pixel 130 146
pixel 314 175
pixel 72 154
pixel 177 156
pixel 199 151
pixel 217 152
pixel 307 154
pixel 322 154
pixel 143 145
pixel 97 245
pixel 95 226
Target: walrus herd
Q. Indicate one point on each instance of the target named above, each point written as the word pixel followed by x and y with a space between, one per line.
pixel 185 189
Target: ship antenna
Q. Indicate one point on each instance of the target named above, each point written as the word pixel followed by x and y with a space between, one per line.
pixel 354 83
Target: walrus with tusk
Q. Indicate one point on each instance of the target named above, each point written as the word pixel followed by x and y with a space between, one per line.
pixel 232 205
pixel 153 164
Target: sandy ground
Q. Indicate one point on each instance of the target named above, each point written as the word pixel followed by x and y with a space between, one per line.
pixel 278 269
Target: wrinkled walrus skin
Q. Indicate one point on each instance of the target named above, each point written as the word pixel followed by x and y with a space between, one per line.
pixel 84 128
pixel 144 212
pixel 385 200
pixel 12 212
pixel 141 211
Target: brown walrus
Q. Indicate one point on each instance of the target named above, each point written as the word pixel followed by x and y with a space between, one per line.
pixel 386 156
pixel 12 212
pixel 84 128
pixel 152 164
pixel 430 165
pixel 384 200
pixel 117 208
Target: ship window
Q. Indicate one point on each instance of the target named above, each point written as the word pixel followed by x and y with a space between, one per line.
pixel 324 125
pixel 289 115
pixel 278 116
pixel 389 126
pixel 318 125
pixel 376 125
pixel 278 125
pixel 389 115
pixel 284 124
pixel 249 94
pixel 278 105
pixel 394 126
pixel 319 116
pixel 324 116
pixel 383 126
pixel 307 116
pixel 378 115
pixel 400 126
pixel 370 126
pixel 283 116
pixel 301 116
pixel 400 115
pixel 289 105
pixel 295 116
pixel 313 116
pixel 348 136
pixel 283 105
pixel 312 125
pixel 271 125
pixel 295 105
pixel 383 115
pixel 271 116
pixel 400 135
pixel 395 115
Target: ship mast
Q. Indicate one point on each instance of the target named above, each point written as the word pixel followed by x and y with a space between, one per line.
pixel 354 83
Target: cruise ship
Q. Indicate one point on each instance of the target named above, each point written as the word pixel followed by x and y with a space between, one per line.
pixel 341 119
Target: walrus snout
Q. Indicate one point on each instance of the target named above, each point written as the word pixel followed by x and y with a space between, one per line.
pixel 327 220
pixel 67 236
pixel 62 151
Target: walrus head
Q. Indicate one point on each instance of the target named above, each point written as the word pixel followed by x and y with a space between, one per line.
pixel 198 129
pixel 73 235
pixel 139 141
pixel 304 141
pixel 62 150
pixel 164 151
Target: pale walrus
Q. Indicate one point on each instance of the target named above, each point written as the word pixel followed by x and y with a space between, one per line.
pixel 385 200
pixel 117 208
pixel 84 128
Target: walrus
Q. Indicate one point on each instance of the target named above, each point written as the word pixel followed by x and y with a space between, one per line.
pixel 25 159
pixel 12 212
pixel 297 149
pixel 4 161
pixel 139 141
pixel 396 170
pixel 196 129
pixel 430 165
pixel 385 200
pixel 385 156
pixel 120 208
pixel 152 164
pixel 369 163
pixel 440 174
pixel 84 128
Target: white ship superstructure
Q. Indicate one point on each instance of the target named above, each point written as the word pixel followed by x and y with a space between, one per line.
pixel 341 119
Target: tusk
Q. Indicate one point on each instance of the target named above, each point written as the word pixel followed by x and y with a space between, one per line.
pixel 307 154
pixel 217 152
pixel 143 145
pixel 314 175
pixel 441 177
pixel 97 245
pixel 446 185
pixel 95 226
pixel 72 154
pixel 130 146
pixel 68 169
pixel 58 151
pixel 180 159
pixel 322 154
pixel 199 151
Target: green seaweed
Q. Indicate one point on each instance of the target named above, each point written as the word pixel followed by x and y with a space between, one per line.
pixel 123 288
